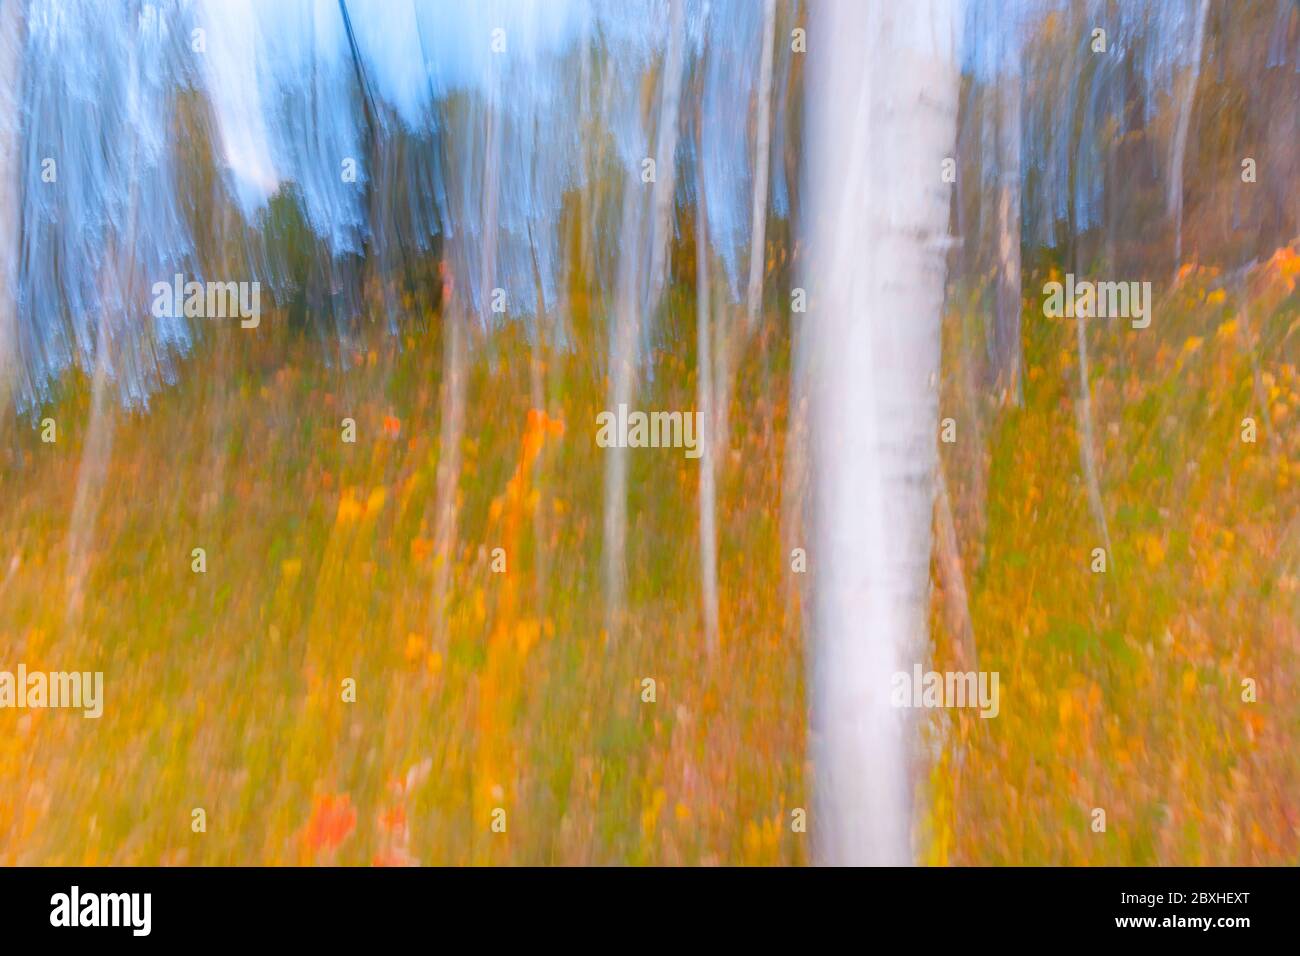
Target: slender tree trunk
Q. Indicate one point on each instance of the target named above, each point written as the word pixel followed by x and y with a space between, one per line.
pixel 91 475
pixel 455 359
pixel 622 372
pixel 97 451
pixel 488 211
pixel 730 343
pixel 447 474
pixel 1178 143
pixel 632 307
pixel 762 156
pixel 1084 412
pixel 665 152
pixel 704 403
pixel 1007 322
pixel 883 96
pixel 1083 407
pixel 12 37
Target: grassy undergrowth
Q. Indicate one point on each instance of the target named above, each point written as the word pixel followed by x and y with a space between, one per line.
pixel 1120 691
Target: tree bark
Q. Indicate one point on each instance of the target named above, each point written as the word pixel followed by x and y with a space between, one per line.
pixel 883 96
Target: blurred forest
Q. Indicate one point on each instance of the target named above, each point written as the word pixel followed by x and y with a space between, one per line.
pixel 522 687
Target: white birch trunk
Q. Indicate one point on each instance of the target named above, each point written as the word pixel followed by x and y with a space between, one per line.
pixel 622 371
pixel 882 94
pixel 704 404
pixel 12 34
pixel 665 153
pixel 631 308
